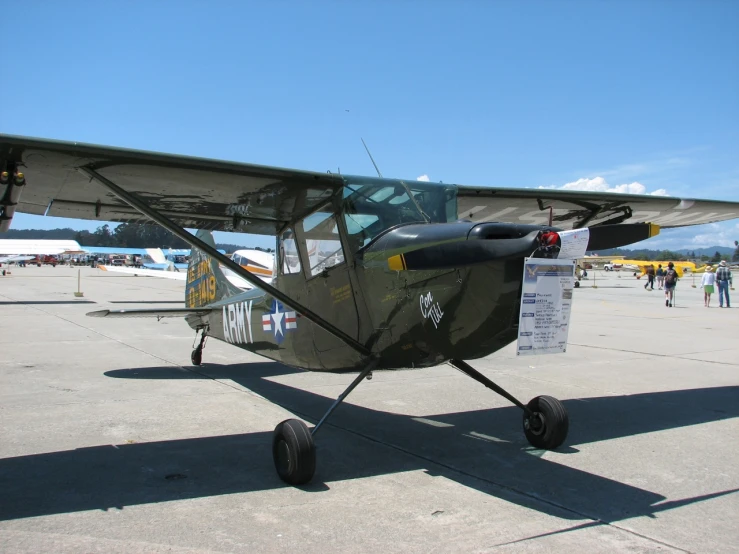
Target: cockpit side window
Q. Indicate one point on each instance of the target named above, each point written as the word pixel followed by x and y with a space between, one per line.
pixel 322 243
pixel 288 250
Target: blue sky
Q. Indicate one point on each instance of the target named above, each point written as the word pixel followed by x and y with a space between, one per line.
pixel 521 94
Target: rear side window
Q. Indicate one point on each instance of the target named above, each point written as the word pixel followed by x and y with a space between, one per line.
pixel 322 242
pixel 289 253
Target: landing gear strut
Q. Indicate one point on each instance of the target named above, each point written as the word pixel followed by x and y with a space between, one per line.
pixel 293 449
pixel 545 420
pixel 196 357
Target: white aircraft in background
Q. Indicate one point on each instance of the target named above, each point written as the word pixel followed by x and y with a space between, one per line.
pixel 258 262
pixel 38 247
pixel 15 259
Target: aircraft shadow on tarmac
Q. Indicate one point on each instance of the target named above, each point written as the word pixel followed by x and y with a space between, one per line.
pixel 483 449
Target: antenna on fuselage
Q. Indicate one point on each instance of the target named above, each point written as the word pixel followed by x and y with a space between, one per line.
pixel 371 158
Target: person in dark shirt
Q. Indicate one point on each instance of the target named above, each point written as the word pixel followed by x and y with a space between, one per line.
pixel 670 283
pixel 660 277
pixel 650 277
pixel 723 280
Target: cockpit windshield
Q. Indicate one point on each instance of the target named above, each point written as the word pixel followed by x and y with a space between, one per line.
pixel 371 206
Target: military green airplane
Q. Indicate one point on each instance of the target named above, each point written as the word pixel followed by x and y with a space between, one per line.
pixel 371 273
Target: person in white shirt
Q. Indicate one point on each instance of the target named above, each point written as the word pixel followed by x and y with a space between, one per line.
pixel 707 282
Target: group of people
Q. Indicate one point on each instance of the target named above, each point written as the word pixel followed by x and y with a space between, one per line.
pixel 667 280
pixel 723 279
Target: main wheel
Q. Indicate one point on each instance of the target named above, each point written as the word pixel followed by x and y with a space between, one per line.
pixel 548 424
pixel 196 357
pixel 577 284
pixel 294 452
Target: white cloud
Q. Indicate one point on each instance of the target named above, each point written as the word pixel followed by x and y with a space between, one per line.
pixel 718 235
pixel 599 184
pixel 423 177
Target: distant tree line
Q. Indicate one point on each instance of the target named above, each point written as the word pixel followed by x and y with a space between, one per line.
pixel 125 235
pixel 703 255
pixel 131 235
pixel 235 247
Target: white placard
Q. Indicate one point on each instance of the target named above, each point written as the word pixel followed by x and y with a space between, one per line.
pixel 546 302
pixel 573 243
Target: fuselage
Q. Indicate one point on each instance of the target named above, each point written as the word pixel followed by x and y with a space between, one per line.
pixel 417 320
pixel 459 300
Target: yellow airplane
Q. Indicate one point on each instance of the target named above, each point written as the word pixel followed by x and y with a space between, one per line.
pixel 640 266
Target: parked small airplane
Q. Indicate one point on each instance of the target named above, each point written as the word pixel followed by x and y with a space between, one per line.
pixel 371 273
pixel 639 267
pixel 256 261
pixel 36 246
pixel 15 259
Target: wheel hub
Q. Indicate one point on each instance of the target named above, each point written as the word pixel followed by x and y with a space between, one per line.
pixel 535 423
pixel 283 457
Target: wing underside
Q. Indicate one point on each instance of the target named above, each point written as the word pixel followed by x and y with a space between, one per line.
pixel 195 192
pixel 576 209
pixel 63 179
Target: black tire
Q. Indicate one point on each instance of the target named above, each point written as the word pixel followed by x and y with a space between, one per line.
pixel 294 452
pixel 549 424
pixel 577 284
pixel 196 357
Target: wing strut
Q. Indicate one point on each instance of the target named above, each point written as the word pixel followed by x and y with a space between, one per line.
pixel 245 274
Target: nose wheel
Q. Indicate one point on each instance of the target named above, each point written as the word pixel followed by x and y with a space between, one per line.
pixel 545 419
pixel 546 423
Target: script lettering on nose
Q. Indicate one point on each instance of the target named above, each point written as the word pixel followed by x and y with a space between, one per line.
pixel 430 309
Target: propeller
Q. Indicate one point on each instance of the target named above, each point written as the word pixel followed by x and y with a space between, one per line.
pixel 613 236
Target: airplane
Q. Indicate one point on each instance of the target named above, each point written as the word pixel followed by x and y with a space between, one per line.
pixel 36 246
pixel 639 267
pixel 256 261
pixel 14 259
pixel 35 251
pixel 152 258
pixel 371 273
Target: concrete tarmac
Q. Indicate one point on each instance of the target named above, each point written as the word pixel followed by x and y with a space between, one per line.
pixel 110 441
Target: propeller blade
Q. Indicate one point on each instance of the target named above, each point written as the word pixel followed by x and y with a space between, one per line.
pixel 603 237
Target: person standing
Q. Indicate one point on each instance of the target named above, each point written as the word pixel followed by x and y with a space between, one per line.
pixel 650 277
pixel 670 283
pixel 723 280
pixel 660 277
pixel 707 282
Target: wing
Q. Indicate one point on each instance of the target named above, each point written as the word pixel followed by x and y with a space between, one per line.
pixel 173 312
pixel 143 272
pixel 31 246
pixel 226 196
pixel 195 192
pixel 575 209
pixel 174 275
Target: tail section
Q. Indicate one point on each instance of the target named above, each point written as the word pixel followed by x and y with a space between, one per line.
pixel 206 283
